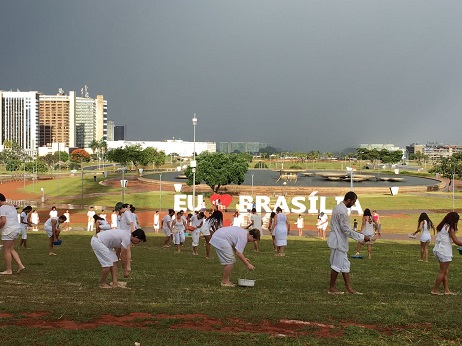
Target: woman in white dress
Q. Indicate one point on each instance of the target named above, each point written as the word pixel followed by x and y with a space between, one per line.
pixel 300 225
pixel 236 221
pixel 446 235
pixel 178 228
pixel 281 230
pixel 367 228
pixel 34 218
pixel 424 225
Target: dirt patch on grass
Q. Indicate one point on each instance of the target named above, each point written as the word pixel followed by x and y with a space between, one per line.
pixel 200 322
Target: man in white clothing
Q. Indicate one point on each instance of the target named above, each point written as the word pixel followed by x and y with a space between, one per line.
pixel 90 220
pixel 167 227
pixel 255 222
pixel 230 242
pixel 340 231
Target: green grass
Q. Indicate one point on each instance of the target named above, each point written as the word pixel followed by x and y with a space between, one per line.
pixel 395 309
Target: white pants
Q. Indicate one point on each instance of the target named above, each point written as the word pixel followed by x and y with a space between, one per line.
pixel 195 235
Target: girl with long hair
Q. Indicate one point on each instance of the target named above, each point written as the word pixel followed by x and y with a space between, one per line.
pixel 443 250
pixel 210 225
pixel 424 224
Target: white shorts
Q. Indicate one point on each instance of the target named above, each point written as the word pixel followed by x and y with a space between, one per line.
pixel 442 258
pixel 23 232
pixel 225 252
pixel 105 256
pixel 49 232
pixel 339 261
pixel 195 235
pixel 205 231
pixel 11 236
pixel 178 238
pixel 167 232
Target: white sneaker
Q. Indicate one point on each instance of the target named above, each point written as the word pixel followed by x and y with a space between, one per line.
pixel 412 236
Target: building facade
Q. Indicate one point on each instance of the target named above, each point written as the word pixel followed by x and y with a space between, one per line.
pixel 19 120
pixel 241 147
pixel 119 133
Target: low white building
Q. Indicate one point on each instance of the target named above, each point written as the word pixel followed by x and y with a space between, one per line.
pixel 179 147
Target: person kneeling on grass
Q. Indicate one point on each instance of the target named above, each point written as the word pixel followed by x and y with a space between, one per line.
pixel 103 244
pixel 231 241
pixel 52 228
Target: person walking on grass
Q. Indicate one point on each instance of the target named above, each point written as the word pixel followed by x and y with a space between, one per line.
pixel 446 235
pixel 230 242
pixel 424 224
pixel 197 222
pixel 367 228
pixel 10 229
pixel 53 230
pixel 178 229
pixel 24 224
pixel 103 244
pixel 255 223
pixel 213 223
pixel 167 227
pixel 270 229
pixel 338 243
pixel 156 221
pixel 281 229
pixel 90 220
pixel 35 219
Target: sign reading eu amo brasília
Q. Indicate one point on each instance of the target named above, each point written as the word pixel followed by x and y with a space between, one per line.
pixel 311 204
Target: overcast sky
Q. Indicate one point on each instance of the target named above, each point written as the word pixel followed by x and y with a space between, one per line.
pixel 301 75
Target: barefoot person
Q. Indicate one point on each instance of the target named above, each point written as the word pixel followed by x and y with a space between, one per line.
pixel 52 228
pixel 25 222
pixel 338 242
pixel 230 242
pixel 103 244
pixel 10 228
pixel 443 251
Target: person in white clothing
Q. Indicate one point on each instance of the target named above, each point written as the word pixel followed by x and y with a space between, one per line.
pixel 178 229
pixel 103 214
pixel 90 220
pixel 126 223
pixel 424 224
pixel 367 228
pixel 255 222
pixel 322 224
pixel 35 219
pixel 197 222
pixel 156 222
pixel 338 243
pixel 52 228
pixel 24 220
pixel 114 217
pixel 446 235
pixel 53 212
pixel 68 220
pixel 10 229
pixel 167 227
pixel 101 224
pixel 230 242
pixel 103 244
pixel 300 225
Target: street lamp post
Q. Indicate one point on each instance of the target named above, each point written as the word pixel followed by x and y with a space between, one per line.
pixel 123 184
pixel 193 162
pixel 350 169
pixel 252 184
pixel 160 191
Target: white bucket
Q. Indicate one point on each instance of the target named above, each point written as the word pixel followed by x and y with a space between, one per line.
pixel 246 282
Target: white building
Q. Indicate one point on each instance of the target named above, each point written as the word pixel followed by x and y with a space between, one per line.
pixel 19 121
pixel 180 147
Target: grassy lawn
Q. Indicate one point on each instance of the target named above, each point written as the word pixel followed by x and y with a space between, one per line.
pixel 56 300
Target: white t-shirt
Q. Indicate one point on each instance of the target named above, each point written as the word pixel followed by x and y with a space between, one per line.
pixel 24 220
pixel 53 213
pixel 117 238
pixel 166 222
pixel 125 219
pixel 12 223
pixel 156 219
pixel 235 236
pixel 68 217
pixel 256 221
pixel 196 222
pixel 90 215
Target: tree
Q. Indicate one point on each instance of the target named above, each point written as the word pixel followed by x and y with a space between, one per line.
pixel 62 156
pixel 137 156
pixel 447 166
pixel 80 155
pixel 419 157
pixel 218 169
pixel 39 165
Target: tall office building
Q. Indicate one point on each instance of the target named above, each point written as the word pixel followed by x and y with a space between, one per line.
pixel 119 132
pixel 90 119
pixel 57 118
pixel 19 119
pixel 110 130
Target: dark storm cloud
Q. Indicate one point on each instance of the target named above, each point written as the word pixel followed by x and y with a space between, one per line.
pixel 302 75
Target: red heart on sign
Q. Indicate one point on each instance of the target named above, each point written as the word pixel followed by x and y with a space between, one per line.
pixel 224 199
